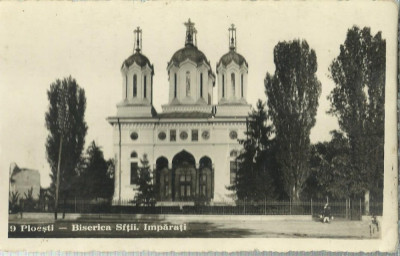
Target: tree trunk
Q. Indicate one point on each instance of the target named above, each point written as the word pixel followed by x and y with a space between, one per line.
pixel 366 202
pixel 295 194
pixel 58 179
pixel 64 203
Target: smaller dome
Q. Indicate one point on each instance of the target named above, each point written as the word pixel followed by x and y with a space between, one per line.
pixel 137 58
pixel 232 55
pixel 189 52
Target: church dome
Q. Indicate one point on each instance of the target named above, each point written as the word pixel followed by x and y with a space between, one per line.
pixel 188 52
pixel 232 55
pixel 137 58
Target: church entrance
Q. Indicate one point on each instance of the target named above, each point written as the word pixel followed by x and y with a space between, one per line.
pixel 185 177
pixel 184 170
pixel 185 181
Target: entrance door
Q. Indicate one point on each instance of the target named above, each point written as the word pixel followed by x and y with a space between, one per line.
pixel 184 176
pixel 184 186
pixel 185 183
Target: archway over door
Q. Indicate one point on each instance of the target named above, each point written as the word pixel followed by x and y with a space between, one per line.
pixel 184 176
pixel 205 178
pixel 163 180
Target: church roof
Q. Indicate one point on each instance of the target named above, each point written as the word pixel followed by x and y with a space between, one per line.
pixel 137 58
pixel 232 55
pixel 188 52
pixel 185 115
pixel 15 170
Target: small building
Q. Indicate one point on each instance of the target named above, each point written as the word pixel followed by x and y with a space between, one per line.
pixel 192 144
pixel 22 180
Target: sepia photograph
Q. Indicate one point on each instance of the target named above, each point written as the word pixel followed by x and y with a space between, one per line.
pixel 270 122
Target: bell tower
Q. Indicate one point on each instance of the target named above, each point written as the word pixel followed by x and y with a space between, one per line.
pixel 190 76
pixel 232 70
pixel 137 82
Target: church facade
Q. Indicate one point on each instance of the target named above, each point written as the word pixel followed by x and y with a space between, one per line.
pixel 191 145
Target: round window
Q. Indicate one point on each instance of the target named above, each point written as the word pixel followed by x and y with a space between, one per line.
pixel 183 135
pixel 233 135
pixel 205 135
pixel 162 135
pixel 134 136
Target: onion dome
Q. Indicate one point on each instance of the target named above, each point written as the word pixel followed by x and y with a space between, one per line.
pixel 137 57
pixel 232 55
pixel 190 50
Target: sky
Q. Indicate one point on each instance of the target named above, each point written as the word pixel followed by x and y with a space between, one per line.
pixel 43 41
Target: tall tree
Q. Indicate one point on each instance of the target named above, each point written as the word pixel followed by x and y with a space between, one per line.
pixel 67 130
pixel 358 102
pixel 95 179
pixel 146 191
pixel 292 93
pixel 256 165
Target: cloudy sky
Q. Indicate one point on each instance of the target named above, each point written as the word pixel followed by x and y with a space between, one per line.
pixel 43 41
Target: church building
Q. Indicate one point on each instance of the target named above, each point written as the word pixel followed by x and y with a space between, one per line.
pixel 191 145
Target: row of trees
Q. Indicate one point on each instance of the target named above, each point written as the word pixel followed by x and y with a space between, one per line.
pixel 70 168
pixel 279 160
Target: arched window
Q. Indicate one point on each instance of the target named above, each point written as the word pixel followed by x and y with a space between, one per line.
pixel 145 87
pixel 134 168
pixel 161 163
pixel 233 83
pixel 241 85
pixel 187 83
pixel 126 86
pixel 223 86
pixel 175 81
pixel 163 177
pixel 151 89
pixel 201 85
pixel 205 174
pixel 205 162
pixel 134 85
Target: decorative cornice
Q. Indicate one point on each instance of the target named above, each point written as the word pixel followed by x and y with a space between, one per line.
pixel 137 125
pixel 187 108
pixel 189 124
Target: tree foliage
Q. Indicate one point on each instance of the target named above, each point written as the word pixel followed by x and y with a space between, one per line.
pixel 293 92
pixel 96 181
pixel 254 178
pixel 331 174
pixel 65 119
pixel 29 203
pixel 146 191
pixel 13 202
pixel 358 102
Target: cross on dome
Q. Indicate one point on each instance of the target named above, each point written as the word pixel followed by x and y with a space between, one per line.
pixel 191 33
pixel 138 39
pixel 232 37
